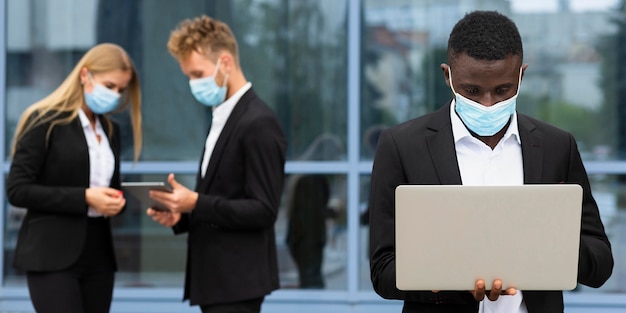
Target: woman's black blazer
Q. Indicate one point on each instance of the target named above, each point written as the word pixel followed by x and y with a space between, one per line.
pixel 48 179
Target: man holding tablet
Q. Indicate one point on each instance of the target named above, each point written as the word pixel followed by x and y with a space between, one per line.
pixel 232 262
pixel 479 139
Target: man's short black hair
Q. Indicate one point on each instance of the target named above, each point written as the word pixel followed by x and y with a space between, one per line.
pixel 485 35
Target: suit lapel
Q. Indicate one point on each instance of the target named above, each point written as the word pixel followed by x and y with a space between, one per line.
pixel 111 138
pixel 231 124
pixel 532 149
pixel 441 148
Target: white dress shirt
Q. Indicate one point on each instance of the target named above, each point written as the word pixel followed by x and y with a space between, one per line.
pixel 480 165
pixel 101 159
pixel 220 116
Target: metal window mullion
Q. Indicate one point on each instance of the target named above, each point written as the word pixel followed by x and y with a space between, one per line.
pixel 353 116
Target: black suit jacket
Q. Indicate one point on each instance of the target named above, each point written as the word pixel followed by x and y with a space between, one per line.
pixel 421 151
pixel 231 243
pixel 49 181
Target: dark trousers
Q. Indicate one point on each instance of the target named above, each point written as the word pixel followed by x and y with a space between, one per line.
pixel 308 254
pixel 84 287
pixel 308 258
pixel 248 306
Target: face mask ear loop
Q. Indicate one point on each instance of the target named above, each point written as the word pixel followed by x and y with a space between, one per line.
pixel 451 85
pixel 450 77
pixel 217 66
pixel 225 80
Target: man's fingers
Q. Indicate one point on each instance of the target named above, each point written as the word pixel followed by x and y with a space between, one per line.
pixel 496 290
pixel 479 290
pixel 494 293
pixel 510 292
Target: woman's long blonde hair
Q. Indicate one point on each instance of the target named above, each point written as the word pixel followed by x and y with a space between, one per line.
pixel 69 98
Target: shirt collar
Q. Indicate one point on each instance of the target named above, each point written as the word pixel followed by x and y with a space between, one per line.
pixel 229 104
pixel 459 130
pixel 84 120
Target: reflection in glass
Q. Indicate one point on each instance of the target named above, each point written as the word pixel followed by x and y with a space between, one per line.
pixel 295 52
pixel 325 147
pixel 311 232
pixel 307 211
pixel 403 47
pixel 370 140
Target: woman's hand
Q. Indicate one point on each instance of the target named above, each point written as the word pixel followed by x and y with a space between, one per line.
pixel 106 201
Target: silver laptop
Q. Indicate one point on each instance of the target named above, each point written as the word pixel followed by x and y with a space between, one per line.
pixel 447 236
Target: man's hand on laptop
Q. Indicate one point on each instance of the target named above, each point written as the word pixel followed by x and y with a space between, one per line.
pixel 480 292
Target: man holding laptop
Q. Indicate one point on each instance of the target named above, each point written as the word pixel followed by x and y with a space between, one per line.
pixel 479 139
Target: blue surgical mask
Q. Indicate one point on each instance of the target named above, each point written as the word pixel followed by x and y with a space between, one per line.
pixel 206 90
pixel 483 120
pixel 101 100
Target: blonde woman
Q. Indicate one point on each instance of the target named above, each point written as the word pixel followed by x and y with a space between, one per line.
pixel 65 173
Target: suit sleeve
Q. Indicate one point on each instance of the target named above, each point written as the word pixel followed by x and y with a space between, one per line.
pixel 182 226
pixel 24 187
pixel 596 259
pixel 386 175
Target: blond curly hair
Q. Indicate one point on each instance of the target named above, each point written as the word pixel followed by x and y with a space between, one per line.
pixel 204 35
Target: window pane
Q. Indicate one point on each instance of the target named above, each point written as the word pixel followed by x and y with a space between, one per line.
pixel 574 65
pixel 404 43
pixel 294 52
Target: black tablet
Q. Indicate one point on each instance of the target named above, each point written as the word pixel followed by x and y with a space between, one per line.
pixel 141 192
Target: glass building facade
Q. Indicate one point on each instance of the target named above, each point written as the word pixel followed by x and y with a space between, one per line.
pixel 336 72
